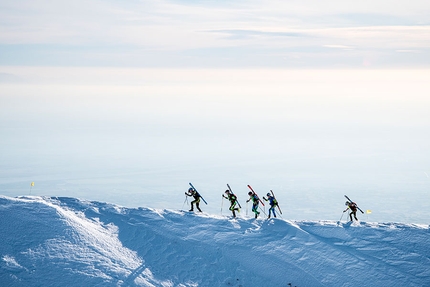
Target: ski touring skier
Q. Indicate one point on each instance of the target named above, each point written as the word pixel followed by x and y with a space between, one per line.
pixel 196 201
pixel 233 201
pixel 353 207
pixel 255 202
pixel 273 203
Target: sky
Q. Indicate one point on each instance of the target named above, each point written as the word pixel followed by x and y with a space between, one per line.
pixel 338 34
pixel 128 101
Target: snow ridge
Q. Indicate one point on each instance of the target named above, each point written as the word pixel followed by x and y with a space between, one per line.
pixel 49 240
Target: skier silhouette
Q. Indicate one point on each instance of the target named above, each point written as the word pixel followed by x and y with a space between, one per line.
pixel 255 202
pixel 233 201
pixel 196 195
pixel 273 203
pixel 353 207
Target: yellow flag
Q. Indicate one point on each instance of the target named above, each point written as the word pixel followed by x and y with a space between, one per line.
pixel 32 184
pixel 368 211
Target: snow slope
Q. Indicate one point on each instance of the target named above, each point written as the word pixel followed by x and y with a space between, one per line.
pixel 70 242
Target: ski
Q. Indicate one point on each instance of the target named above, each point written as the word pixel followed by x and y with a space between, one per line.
pixel 256 194
pixel 198 193
pixel 277 204
pixel 356 204
pixel 229 188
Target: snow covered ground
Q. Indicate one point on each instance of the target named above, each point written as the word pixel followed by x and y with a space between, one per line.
pixel 59 241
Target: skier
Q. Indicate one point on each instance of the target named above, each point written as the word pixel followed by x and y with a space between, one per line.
pixel 273 203
pixel 353 207
pixel 233 201
pixel 255 202
pixel 196 195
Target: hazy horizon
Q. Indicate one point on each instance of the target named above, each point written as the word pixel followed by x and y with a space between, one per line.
pixel 128 101
pixel 136 137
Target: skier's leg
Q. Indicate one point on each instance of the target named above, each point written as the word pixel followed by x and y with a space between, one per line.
pixel 255 209
pixel 232 206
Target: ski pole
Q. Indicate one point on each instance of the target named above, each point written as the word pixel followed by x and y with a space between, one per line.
pixel 247 208
pixel 222 201
pixel 347 216
pixel 186 200
pixel 341 216
pixel 262 210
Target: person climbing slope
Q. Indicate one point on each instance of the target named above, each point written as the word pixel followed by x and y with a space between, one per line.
pixel 353 207
pixel 196 201
pixel 255 202
pixel 233 201
pixel 273 203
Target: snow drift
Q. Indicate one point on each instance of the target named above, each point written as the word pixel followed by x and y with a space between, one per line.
pixel 70 242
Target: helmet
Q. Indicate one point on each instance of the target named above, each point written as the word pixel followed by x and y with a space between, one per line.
pixel 268 194
pixel 347 203
pixel 190 189
pixel 227 191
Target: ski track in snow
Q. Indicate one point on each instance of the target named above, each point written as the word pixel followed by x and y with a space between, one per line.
pixel 83 243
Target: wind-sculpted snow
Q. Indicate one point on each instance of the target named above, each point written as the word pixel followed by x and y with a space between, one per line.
pixel 69 242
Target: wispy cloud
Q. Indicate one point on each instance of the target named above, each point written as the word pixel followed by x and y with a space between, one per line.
pixel 168 32
pixel 343 47
pixel 241 34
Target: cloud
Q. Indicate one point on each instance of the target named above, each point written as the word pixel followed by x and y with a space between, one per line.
pixel 180 32
pixel 407 51
pixel 239 34
pixel 343 47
